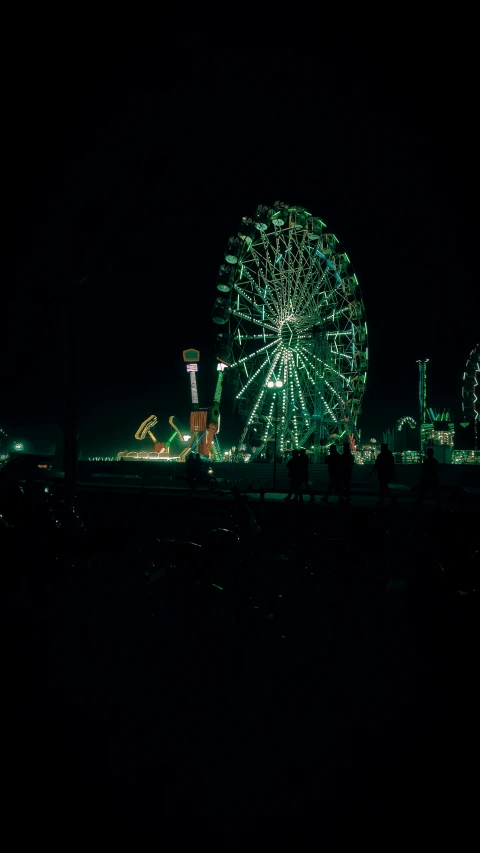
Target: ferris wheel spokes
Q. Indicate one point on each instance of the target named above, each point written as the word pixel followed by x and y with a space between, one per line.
pixel 253 354
pixel 253 377
pixel 242 315
pixel 338 412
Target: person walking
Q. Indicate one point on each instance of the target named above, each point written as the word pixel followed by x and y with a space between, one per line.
pixel 294 472
pixel 348 461
pixel 334 462
pixel 385 469
pixel 429 479
pixel 304 474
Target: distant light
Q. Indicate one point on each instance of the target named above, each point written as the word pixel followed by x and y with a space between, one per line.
pixel 186 437
pixel 270 384
pixel 18 446
pixel 279 383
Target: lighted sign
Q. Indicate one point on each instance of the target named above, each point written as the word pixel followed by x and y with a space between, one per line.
pixel 191 355
pixel 193 385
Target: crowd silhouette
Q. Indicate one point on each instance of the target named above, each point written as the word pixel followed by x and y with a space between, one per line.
pixel 340 470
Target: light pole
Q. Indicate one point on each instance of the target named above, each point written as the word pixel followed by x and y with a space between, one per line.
pixel 277 385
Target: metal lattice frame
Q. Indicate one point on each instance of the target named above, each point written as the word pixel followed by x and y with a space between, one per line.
pixel 296 314
pixel 471 386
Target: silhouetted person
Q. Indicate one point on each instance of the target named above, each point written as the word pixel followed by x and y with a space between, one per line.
pixel 334 462
pixel 193 470
pixel 385 468
pixel 348 461
pixel 429 478
pixel 304 474
pixel 295 474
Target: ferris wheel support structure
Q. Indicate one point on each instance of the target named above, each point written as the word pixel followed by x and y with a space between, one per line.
pixel 214 419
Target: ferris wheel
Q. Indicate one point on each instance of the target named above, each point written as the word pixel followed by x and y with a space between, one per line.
pixel 294 332
pixel 471 386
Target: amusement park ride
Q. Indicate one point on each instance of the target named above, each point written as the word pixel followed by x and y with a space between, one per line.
pixel 160 446
pixel 293 320
pixel 204 423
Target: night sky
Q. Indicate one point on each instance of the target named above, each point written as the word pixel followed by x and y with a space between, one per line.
pixel 131 158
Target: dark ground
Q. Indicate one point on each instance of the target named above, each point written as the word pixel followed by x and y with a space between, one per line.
pixel 325 694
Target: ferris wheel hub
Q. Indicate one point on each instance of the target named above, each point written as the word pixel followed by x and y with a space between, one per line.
pixel 289 335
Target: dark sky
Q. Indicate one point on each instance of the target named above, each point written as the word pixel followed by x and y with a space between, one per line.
pixel 132 158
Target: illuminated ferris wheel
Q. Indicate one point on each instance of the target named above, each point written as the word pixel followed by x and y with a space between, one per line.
pixel 471 386
pixel 295 335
